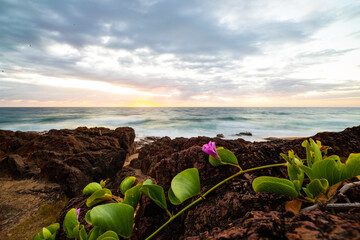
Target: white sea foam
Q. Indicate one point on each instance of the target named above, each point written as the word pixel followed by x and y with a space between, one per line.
pixel 187 122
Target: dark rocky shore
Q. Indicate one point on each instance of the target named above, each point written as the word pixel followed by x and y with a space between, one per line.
pixel 67 160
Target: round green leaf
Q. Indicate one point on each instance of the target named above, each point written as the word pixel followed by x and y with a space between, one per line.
pixel 227 156
pixel 275 185
pixel 91 188
pixel 99 196
pixel 126 184
pixel 186 184
pixel 132 196
pixel 70 222
pixel 118 217
pixel 148 182
pixel 108 235
pixel 155 193
pixel 172 198
pixel 53 227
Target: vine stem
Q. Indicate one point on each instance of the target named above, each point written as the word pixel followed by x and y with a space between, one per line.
pixel 202 197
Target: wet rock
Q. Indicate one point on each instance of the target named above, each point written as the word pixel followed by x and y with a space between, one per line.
pixel 244 134
pixel 220 135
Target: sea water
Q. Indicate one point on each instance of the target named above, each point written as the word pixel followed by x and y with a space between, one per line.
pixel 187 122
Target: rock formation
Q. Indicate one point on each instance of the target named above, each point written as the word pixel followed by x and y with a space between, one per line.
pixel 71 158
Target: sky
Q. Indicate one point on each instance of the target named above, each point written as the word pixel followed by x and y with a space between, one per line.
pixel 167 53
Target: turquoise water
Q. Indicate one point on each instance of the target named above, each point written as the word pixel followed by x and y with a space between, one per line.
pixel 187 122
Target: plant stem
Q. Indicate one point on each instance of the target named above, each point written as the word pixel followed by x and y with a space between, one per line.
pixel 202 197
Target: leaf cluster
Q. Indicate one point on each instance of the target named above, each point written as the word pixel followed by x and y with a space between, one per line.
pixel 114 219
pixel 323 172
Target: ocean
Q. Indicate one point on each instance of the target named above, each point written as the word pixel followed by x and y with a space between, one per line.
pixel 187 122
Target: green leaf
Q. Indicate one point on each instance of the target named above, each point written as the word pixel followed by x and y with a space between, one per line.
pixel 185 185
pixel 108 235
pixel 132 196
pixel 99 196
pixel 292 172
pixel 118 217
pixel 91 188
pixel 102 183
pixel 95 233
pixel 82 233
pixel 38 236
pixel 297 185
pixel 53 227
pixel 148 182
pixel 309 158
pixel 317 186
pixel 275 185
pixel 227 156
pixel 285 157
pixel 155 193
pixel 352 166
pixel 308 171
pixel 327 169
pixel 46 233
pixel 70 222
pixel 126 184
pixel 317 152
pixel 214 162
pixel 172 198
pixel 87 217
pixel 308 193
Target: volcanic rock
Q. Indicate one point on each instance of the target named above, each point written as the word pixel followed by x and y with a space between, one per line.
pixel 71 158
pixel 234 210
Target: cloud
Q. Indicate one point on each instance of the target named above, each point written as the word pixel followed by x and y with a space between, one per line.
pixel 183 49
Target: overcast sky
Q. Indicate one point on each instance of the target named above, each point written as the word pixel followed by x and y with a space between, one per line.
pixel 180 53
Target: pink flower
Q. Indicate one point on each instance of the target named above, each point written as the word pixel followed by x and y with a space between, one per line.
pixel 210 149
pixel 77 213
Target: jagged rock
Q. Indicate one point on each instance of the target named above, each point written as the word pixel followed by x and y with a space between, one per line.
pixel 72 158
pixel 234 210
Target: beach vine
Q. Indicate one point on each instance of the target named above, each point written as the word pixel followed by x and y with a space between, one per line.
pixel 114 219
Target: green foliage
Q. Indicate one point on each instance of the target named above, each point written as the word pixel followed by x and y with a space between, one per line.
pixel 92 187
pixel 48 233
pixel 99 196
pixel 275 185
pixel 184 185
pixel 126 184
pixel 95 232
pixel 117 217
pixel 324 172
pixel 352 168
pixel 155 193
pixel 71 225
pixel 108 235
pixel 316 187
pixel 226 158
pixel 133 195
